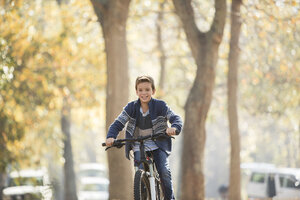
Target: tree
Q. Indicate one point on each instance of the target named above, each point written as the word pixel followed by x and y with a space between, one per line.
pixel 69 180
pixel 161 49
pixel 204 47
pixel 70 189
pixel 232 84
pixel 75 78
pixel 22 83
pixel 112 16
pixel 269 91
pixel 39 64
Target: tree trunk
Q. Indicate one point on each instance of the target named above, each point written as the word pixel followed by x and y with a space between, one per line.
pixel 70 189
pixel 204 48
pixel 2 183
pixel 70 181
pixel 298 160
pixel 161 50
pixel 235 174
pixel 112 16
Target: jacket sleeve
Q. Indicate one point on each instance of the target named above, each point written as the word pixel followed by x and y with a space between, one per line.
pixel 174 119
pixel 119 123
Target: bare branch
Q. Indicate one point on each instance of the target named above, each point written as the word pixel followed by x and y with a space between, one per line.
pixel 218 24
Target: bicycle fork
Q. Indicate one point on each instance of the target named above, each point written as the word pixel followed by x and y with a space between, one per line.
pixel 152 182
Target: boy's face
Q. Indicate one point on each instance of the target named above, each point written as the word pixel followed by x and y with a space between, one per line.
pixel 144 92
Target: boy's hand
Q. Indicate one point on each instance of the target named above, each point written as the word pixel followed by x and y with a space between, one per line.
pixel 171 131
pixel 109 142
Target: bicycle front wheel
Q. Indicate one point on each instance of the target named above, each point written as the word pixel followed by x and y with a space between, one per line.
pixel 141 186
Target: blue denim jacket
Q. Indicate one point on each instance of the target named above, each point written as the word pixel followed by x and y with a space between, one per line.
pixel 159 112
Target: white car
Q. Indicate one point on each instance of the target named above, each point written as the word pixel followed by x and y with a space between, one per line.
pixel 28 184
pixel 267 181
pixel 93 188
pixel 92 170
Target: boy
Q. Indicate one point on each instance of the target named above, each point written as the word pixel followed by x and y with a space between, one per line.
pixel 147 116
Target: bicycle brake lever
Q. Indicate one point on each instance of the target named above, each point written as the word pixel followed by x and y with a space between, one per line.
pixel 119 145
pixel 168 136
pixel 107 148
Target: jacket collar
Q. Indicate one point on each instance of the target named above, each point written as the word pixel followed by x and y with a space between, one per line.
pixel 151 102
pixel 151 108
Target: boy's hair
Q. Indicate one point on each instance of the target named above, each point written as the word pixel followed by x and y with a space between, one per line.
pixel 142 79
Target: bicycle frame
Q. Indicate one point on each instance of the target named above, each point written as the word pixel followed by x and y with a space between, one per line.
pixel 147 163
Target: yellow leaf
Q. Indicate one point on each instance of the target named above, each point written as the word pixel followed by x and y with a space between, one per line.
pixel 294 3
pixel 19 117
pixel 283 68
pixel 262 34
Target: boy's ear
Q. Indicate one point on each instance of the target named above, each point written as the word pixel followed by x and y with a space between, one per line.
pixel 153 91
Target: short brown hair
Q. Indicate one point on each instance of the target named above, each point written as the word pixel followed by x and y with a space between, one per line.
pixel 142 79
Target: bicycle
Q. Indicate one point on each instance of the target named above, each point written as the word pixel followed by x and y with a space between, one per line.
pixel 147 184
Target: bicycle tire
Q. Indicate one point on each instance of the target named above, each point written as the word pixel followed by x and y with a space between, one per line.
pixel 141 186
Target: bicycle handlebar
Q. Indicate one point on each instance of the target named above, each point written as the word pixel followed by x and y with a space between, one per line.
pixel 121 142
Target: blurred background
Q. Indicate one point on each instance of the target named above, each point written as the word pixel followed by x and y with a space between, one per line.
pixel 54 85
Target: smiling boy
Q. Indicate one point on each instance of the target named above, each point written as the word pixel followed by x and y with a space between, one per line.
pixel 147 116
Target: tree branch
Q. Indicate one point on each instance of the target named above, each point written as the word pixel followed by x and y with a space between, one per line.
pixel 100 8
pixel 185 12
pixel 218 24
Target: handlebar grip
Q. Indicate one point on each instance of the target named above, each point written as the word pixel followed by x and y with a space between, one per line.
pixel 104 144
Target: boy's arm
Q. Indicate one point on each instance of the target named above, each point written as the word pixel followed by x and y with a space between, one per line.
pixel 118 124
pixel 174 119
